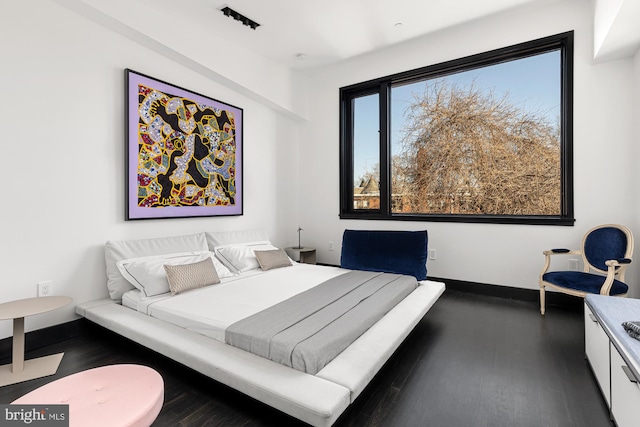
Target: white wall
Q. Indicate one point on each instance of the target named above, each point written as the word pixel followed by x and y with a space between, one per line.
pixel 494 254
pixel 62 140
pixel 604 17
pixel 635 152
pixel 616 32
pixel 62 120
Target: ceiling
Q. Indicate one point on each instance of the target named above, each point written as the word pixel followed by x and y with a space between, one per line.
pixel 322 31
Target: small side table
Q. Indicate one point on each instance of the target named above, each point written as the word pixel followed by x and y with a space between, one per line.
pixel 20 370
pixel 305 255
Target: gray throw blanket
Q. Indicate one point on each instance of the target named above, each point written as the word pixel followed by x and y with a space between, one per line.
pixel 308 330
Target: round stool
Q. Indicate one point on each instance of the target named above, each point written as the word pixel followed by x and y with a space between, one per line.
pixel 109 396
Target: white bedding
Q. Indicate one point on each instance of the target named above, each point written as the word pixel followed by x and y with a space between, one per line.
pixel 210 310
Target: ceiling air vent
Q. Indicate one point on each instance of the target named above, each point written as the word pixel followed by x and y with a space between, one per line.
pixel 239 17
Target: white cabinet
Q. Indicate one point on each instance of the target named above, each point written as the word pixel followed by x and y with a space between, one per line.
pixel 613 355
pixel 625 393
pixel 597 351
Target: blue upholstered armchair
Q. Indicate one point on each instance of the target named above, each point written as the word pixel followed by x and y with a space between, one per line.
pixel 606 253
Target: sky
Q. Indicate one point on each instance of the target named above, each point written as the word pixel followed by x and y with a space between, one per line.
pixel 533 84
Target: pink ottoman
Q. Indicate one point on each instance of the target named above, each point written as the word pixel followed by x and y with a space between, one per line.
pixel 109 396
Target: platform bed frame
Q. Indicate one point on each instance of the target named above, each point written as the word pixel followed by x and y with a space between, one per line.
pixel 315 399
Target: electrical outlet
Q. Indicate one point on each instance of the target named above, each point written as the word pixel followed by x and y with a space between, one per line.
pixel 45 288
pixel 573 265
pixel 330 245
pixel 432 254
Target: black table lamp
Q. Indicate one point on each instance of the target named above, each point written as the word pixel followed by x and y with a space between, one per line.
pixel 299 245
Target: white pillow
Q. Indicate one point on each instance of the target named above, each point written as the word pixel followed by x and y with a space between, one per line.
pixel 242 257
pixel 148 274
pixel 116 250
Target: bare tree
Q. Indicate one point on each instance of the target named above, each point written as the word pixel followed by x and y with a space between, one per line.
pixel 372 172
pixel 464 151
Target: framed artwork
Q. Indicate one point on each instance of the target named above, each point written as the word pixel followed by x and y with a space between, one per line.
pixel 183 152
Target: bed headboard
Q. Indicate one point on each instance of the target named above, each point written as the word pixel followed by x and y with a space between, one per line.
pixel 401 252
pixel 117 250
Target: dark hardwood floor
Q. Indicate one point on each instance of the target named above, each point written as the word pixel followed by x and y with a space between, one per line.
pixel 472 361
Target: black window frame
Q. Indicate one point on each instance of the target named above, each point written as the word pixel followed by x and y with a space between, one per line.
pixel 382 86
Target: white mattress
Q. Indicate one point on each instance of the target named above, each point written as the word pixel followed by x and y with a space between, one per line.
pixel 210 310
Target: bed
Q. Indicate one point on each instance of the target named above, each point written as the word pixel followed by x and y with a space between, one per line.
pixel 190 326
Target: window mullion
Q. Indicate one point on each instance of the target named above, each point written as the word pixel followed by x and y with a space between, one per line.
pixel 346 153
pixel 385 147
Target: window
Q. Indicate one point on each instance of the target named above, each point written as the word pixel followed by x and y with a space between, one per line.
pixel 366 155
pixel 486 138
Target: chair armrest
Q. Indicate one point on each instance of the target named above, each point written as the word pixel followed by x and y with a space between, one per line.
pixel 618 262
pixel 615 267
pixel 561 252
pixel 547 258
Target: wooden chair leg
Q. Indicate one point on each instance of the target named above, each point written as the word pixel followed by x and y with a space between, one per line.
pixel 542 300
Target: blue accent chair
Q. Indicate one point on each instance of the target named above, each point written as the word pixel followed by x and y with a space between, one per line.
pixel 606 253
